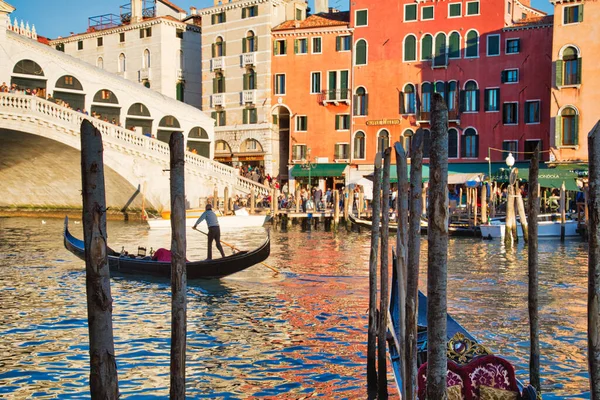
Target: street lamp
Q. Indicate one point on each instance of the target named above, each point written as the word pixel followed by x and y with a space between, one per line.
pixel 510 160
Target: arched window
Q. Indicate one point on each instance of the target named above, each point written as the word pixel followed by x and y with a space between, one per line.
pixel 146 59
pixel 198 142
pixel 360 102
pixel 100 63
pixel 361 52
pixel 219 83
pixel 359 145
pixel 426 47
pixel 139 119
pixel 426 142
pixel 472 49
pixel 440 88
pixel 470 97
pixel 251 146
pixel 28 67
pixel 408 100
pixel 440 50
pixel 122 63
pixel 106 106
pixel 426 91
pixel 569 73
pixel 406 140
pixel 567 127
pixel 452 143
pixel 470 144
pixel 218 47
pixel 222 146
pixel 410 48
pixel 69 82
pixel 249 43
pixel 451 96
pixel 250 79
pixel 454 45
pixel 166 126
pixel 383 140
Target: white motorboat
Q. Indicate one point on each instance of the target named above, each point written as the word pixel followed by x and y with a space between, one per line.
pixel 548 226
pixel 240 220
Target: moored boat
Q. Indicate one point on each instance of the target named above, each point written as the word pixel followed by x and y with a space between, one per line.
pixel 548 226
pixel 206 269
pixel 454 228
pixel 240 220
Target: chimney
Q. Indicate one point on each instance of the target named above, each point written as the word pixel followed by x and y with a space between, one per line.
pixel 136 11
pixel 193 11
pixel 321 6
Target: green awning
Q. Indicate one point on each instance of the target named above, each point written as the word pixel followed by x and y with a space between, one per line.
pixel 553 177
pixel 322 170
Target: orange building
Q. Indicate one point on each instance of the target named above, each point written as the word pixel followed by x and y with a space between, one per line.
pixel 489 60
pixel 575 91
pixel 312 85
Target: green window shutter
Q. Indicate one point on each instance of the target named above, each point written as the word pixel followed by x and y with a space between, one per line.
pixel 337 122
pixel 343 79
pixel 558 66
pixel 527 111
pixel 426 47
pixel 255 41
pixel 576 129
pixel 224 53
pixel 244 12
pixel 410 50
pixel 463 146
pixel 215 80
pixel 245 81
pixel 296 46
pixel 558 131
pixel 223 82
pixel 486 101
pixel 213 115
pixel 401 107
pixel 579 67
pixel 476 146
pixel 366 103
pixel 213 18
pixel 284 47
pixel 224 17
pixel 338 43
pixel 477 100
pixel 245 116
pixel 244 45
pixel 462 101
pixel 361 18
pixel 253 116
pixel 213 50
pixel 355 104
pixel 503 76
pixel 581 13
pixel 275 51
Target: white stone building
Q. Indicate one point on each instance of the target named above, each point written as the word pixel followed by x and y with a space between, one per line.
pixel 237 80
pixel 151 42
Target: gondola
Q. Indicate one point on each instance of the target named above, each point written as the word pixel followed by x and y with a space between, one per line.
pixel 468 360
pixel 207 269
pixel 454 228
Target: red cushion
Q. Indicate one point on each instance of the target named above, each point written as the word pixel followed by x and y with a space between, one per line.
pixel 453 378
pixel 489 371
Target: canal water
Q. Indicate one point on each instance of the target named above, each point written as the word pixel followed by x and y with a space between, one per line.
pixel 300 334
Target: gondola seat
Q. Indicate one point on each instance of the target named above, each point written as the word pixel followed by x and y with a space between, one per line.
pixel 454 382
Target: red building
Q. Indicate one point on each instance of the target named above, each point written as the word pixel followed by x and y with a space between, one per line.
pixel 490 60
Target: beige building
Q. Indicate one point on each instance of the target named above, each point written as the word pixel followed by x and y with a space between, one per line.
pixel 151 42
pixel 237 80
pixel 575 89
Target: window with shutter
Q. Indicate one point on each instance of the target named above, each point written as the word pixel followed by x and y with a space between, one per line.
pixel 472 49
pixel 440 51
pixel 410 12
pixel 493 45
pixel 316 45
pixel 361 52
pixel 472 8
pixel 426 47
pixel 427 13
pixel 452 143
pixel 513 46
pixel 454 10
pixel 573 14
pixel 410 48
pixel 361 18
pixel 454 45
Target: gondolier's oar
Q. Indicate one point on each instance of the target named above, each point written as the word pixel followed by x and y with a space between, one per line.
pixel 235 248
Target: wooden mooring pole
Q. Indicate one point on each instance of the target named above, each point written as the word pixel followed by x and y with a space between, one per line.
pixel 594 262
pixel 510 217
pixel 401 247
pixel 104 382
pixel 522 217
pixel 372 330
pixel 412 274
pixel 437 258
pixel 336 209
pixel 533 206
pixel 563 216
pixel 178 267
pixel 384 286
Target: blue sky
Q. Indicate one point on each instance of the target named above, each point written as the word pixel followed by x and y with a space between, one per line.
pixel 53 18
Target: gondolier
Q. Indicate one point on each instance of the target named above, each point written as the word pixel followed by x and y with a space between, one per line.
pixel 214 231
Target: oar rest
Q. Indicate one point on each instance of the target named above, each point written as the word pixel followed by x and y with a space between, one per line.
pixel 476 374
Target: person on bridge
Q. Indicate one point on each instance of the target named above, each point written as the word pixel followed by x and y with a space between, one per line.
pixel 214 231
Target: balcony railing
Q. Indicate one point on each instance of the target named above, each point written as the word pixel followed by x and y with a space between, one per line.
pixel 335 96
pixel 248 59
pixel 144 74
pixel 217 99
pixel 217 63
pixel 249 96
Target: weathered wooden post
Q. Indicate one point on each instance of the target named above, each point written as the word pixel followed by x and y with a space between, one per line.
pixel 384 275
pixel 522 217
pixel 401 246
pixel 226 200
pixel 361 199
pixel 510 217
pixel 272 193
pixel 336 209
pixel 178 267
pixel 104 383
pixel 216 198
pixel 563 216
pixel 469 206
pixel 474 200
pixel 412 275
pixel 372 330
pixel 424 199
pixel 494 200
pixel 484 211
pixel 347 203
pixel 275 203
pixel 298 199
pixel 533 206
pixel 252 201
pixel 594 262
pixel 460 196
pixel 437 258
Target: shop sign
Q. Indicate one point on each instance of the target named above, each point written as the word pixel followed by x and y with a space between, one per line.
pixel 380 122
pixel 251 158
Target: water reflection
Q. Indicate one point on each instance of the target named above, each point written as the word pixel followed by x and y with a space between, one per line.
pixel 299 334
